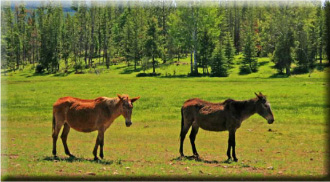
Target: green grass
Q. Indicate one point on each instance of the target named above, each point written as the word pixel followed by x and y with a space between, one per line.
pixel 295 147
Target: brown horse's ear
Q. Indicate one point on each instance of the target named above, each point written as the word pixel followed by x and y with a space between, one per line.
pixel 135 99
pixel 120 97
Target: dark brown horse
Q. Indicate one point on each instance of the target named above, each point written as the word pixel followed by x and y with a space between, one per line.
pixel 89 115
pixel 227 115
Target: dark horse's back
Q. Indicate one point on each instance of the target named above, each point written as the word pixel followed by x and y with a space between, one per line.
pixel 207 115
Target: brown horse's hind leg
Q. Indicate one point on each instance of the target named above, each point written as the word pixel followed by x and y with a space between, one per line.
pixel 64 138
pixel 56 131
pixel 193 133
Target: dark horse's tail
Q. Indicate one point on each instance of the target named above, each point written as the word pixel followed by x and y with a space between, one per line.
pixel 53 127
pixel 182 121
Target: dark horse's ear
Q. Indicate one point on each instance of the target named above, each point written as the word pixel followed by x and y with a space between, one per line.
pixel 259 96
pixel 135 99
pixel 120 97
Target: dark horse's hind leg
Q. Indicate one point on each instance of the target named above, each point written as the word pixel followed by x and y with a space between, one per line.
pixel 192 137
pixel 231 144
pixel 184 131
pixel 64 138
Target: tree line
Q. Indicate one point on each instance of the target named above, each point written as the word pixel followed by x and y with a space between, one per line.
pixel 162 31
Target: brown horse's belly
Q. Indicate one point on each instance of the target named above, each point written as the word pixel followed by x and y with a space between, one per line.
pixel 82 121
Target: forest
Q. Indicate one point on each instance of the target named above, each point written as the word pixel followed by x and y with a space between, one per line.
pixel 294 35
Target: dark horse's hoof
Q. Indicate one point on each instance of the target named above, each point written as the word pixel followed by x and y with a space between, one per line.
pixel 235 160
pixel 71 156
pixel 96 158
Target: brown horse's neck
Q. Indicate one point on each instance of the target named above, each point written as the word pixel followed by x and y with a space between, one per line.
pixel 115 108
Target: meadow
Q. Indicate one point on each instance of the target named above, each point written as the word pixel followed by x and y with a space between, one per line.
pixel 293 147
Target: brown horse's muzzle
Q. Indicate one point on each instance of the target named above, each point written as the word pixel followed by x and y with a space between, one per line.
pixel 128 124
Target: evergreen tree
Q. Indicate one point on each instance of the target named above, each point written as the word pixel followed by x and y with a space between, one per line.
pixel 229 49
pixel 327 28
pixel 219 66
pixel 249 63
pixel 205 51
pixel 151 45
pixel 282 54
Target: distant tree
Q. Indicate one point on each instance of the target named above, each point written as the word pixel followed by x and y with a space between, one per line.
pixel 219 65
pixel 205 51
pixel 151 45
pixel 327 28
pixel 249 63
pixel 229 49
pixel 9 37
pixel 282 54
pixel 66 44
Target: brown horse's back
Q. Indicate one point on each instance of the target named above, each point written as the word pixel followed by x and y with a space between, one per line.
pixel 81 114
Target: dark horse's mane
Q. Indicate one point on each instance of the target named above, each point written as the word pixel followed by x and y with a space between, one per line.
pixel 238 105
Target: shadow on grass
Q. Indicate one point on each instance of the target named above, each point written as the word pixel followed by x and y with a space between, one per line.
pixel 78 159
pixel 279 75
pixel 198 159
pixel 129 70
pixel 64 74
pixel 262 63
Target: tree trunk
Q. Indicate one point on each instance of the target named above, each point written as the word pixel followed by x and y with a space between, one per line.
pixel 153 64
pixel 191 63
pixel 287 70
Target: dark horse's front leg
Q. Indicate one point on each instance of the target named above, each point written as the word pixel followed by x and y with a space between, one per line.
pixel 231 144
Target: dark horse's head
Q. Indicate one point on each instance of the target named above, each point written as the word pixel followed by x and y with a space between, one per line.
pixel 263 108
pixel 127 107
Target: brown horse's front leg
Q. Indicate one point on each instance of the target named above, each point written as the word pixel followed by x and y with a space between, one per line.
pixel 95 148
pixel 99 141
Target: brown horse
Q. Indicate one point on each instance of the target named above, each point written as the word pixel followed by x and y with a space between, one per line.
pixel 89 115
pixel 227 115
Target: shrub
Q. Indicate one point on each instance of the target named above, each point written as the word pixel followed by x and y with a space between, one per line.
pixel 39 68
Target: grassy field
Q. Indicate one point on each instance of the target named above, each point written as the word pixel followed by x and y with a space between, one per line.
pixel 293 147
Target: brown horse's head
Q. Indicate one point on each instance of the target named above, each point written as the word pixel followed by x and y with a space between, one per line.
pixel 127 107
pixel 263 108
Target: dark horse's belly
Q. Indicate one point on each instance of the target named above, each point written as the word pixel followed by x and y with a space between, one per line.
pixel 212 121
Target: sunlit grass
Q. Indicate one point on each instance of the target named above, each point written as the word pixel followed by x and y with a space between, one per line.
pixel 295 146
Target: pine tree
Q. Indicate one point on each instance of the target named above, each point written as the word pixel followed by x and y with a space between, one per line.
pixel 282 54
pixel 327 28
pixel 151 45
pixel 205 51
pixel 219 65
pixel 229 49
pixel 249 63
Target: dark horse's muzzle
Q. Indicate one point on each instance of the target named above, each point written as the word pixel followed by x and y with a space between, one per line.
pixel 270 121
pixel 128 124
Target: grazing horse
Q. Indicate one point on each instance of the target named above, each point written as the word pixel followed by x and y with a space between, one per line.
pixel 89 115
pixel 227 115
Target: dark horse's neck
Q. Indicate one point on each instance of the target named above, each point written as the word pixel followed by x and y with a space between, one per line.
pixel 244 109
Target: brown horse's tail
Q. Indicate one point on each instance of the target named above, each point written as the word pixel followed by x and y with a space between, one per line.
pixel 53 127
